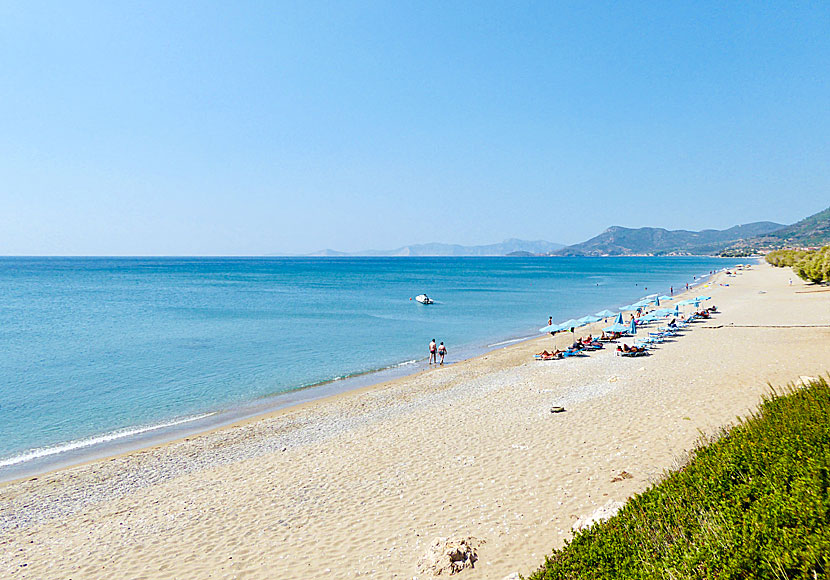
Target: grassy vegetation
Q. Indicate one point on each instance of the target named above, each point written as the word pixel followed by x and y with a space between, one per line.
pixel 813 266
pixel 753 502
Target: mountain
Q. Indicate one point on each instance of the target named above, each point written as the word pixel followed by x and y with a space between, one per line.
pixel 811 231
pixel 620 241
pixel 327 254
pixel 506 247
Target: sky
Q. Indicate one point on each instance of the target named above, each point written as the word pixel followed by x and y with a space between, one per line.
pixel 255 128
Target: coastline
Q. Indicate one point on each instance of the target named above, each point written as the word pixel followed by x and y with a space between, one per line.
pixel 137 437
pixel 359 484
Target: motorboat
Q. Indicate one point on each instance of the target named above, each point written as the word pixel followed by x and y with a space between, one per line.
pixel 423 299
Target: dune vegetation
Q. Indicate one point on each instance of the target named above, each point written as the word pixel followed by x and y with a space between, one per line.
pixel 751 502
pixel 809 265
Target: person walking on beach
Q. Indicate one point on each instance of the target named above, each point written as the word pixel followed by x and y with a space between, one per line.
pixel 432 352
pixel 442 350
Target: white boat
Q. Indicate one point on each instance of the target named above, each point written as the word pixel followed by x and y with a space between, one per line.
pixel 423 299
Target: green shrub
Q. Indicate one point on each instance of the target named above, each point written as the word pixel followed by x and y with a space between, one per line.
pixel 753 502
pixel 783 258
pixel 813 266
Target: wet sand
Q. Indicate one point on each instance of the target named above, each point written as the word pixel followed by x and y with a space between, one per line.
pixel 358 485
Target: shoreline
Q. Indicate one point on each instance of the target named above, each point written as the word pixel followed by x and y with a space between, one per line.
pixel 139 437
pixel 294 401
pixel 361 483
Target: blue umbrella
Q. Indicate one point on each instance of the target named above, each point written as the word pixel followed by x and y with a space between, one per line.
pixel 664 297
pixel 703 297
pixel 616 328
pixel 629 307
pixel 619 319
pixel 551 328
pixel 657 301
pixel 605 313
pixel 568 324
pixel 633 328
pixel 589 319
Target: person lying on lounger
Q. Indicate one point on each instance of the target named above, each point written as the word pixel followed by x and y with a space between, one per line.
pixel 626 348
pixel 550 355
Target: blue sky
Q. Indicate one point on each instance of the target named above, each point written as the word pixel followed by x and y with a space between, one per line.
pixel 249 128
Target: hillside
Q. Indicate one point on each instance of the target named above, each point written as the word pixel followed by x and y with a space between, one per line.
pixel 811 231
pixel 620 241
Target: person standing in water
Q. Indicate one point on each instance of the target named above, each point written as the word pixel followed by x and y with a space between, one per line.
pixel 442 350
pixel 432 352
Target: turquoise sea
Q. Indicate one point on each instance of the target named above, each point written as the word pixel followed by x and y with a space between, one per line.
pixel 96 353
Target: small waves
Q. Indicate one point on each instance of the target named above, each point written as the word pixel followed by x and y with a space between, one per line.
pixel 89 442
pixel 357 374
pixel 512 341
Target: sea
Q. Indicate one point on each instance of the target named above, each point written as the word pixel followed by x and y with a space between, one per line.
pixel 103 355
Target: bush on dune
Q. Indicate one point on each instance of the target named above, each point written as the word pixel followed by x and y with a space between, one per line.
pixel 753 502
pixel 812 266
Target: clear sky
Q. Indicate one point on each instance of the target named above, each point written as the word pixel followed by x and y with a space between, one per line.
pixel 248 128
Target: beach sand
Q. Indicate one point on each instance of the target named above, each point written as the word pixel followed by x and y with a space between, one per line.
pixel 360 484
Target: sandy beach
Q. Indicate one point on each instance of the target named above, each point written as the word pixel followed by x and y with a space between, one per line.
pixel 360 484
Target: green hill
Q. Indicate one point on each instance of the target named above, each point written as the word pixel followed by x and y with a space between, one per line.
pixel 620 241
pixel 811 231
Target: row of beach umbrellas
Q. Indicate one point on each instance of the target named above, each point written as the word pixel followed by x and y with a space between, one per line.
pixel 619 325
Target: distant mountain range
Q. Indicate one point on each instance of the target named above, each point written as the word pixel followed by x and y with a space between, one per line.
pixel 619 241
pixel 505 248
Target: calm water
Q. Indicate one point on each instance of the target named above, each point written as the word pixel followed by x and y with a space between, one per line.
pixel 93 349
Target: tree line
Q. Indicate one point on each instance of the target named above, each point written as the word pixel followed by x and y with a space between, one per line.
pixel 809 265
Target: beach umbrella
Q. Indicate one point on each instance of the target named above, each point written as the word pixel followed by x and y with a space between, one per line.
pixel 686 302
pixel 619 319
pixel 657 301
pixel 572 323
pixel 605 313
pixel 589 319
pixel 551 328
pixel 649 297
pixel 703 297
pixel 616 328
pixel 633 328
pixel 664 297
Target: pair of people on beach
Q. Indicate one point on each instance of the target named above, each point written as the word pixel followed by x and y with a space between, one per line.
pixel 436 351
